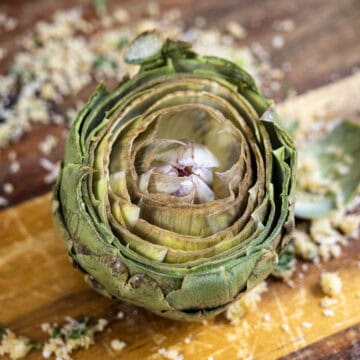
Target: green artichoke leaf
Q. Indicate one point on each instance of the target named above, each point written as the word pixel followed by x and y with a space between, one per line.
pixel 332 172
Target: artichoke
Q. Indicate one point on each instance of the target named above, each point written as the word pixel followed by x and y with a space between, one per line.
pixel 176 192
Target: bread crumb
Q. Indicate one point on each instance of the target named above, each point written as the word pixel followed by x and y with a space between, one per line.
pixel 327 301
pixel 170 354
pixel 120 315
pixel 16 347
pixel 330 283
pixel 117 345
pixel 8 188
pixel 71 336
pixel 248 302
pixel 304 246
pixel 328 313
pixel 278 41
pixel 236 30
pixel 307 325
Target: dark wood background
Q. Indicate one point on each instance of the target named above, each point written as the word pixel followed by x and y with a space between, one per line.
pixel 323 47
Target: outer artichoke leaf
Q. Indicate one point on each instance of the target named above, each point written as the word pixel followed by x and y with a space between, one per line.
pixel 263 268
pixel 79 223
pixel 140 289
pixel 213 288
pixel 222 69
pixel 281 180
pixel 58 217
pixel 74 149
pixel 336 155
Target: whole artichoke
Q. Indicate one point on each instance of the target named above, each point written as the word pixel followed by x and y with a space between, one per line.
pixel 176 191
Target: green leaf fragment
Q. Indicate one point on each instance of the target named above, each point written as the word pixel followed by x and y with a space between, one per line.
pixel 334 159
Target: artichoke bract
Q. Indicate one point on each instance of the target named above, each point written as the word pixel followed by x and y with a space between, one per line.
pixel 176 192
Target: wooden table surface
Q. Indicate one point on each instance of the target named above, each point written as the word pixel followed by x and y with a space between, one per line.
pixel 323 47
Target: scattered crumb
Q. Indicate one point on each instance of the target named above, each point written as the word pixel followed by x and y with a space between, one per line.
pixel 16 347
pixel 120 315
pixel 188 340
pixel 48 144
pixel 7 23
pixel 327 301
pixel 170 354
pixel 307 325
pixel 236 30
pixel 73 335
pixel 328 313
pixel 52 169
pixel 3 201
pixel 8 188
pixel 267 317
pixel 286 25
pixel 117 345
pixel 330 283
pixel 304 246
pixel 348 224
pixel 278 41
pixel 304 267
pixel 248 302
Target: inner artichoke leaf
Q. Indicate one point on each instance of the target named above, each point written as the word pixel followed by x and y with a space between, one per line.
pixel 118 185
pixel 164 237
pixel 198 222
pixel 252 229
pixel 227 182
pixel 333 158
pixel 244 143
pixel 127 212
pixel 184 85
pixel 152 148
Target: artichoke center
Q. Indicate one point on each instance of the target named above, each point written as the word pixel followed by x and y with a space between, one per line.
pixel 184 169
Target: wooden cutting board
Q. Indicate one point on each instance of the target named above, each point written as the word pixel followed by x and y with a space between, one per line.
pixel 38 284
